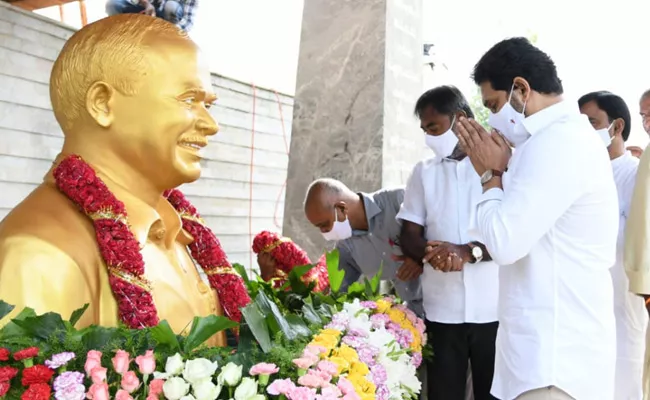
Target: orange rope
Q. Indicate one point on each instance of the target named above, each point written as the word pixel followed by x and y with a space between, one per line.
pixel 250 194
pixel 286 146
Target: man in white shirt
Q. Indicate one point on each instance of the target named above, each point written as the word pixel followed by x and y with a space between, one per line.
pixel 459 283
pixel 549 217
pixel 610 116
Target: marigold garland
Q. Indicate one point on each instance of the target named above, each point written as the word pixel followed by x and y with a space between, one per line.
pixel 121 250
pixel 289 255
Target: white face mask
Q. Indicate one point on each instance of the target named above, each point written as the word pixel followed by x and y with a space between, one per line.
pixel 340 230
pixel 443 145
pixel 506 119
pixel 604 135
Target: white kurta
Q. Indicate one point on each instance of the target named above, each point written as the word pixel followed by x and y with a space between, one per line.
pixel 629 309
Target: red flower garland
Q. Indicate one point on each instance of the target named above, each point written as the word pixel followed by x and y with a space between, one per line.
pixel 7 373
pixel 121 250
pixel 288 255
pixel 207 252
pixel 4 388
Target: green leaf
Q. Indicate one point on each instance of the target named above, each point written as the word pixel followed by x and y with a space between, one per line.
pixel 204 328
pixel 96 337
pixel 5 309
pixel 367 288
pixel 356 289
pixel 298 326
pixel 374 282
pixel 165 336
pixel 11 329
pixel 76 314
pixel 257 325
pixel 268 307
pixel 241 270
pixel 295 278
pixel 310 314
pixel 42 326
pixel 336 275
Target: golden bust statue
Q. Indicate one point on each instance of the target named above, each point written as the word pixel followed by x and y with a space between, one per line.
pixel 131 94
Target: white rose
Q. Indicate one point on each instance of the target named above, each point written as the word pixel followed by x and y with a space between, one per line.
pixel 174 365
pixel 199 370
pixel 246 389
pixel 175 388
pixel 206 390
pixel 230 374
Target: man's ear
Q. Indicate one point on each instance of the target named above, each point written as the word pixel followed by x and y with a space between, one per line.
pixel 99 103
pixel 619 126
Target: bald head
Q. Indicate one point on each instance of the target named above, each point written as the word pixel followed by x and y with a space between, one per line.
pixel 323 198
pixel 112 50
pixel 326 192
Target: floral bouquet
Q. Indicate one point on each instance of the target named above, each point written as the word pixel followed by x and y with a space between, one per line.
pixel 288 255
pixel 294 345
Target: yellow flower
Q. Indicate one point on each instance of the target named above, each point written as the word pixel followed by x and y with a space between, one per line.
pixel 331 332
pixel 346 352
pixel 359 368
pixel 397 316
pixel 341 363
pixel 382 306
pixel 326 339
pixel 362 386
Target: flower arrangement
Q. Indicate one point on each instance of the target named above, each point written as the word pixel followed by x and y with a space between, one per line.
pixel 293 345
pixel 288 255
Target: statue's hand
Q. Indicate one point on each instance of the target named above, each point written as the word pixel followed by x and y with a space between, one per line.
pixel 267 266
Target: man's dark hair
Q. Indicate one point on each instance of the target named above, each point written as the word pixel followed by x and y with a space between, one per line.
pixel 445 100
pixel 614 107
pixel 517 57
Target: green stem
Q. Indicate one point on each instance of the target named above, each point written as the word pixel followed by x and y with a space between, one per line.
pixel 263 380
pixel 28 362
pixel 230 391
pixel 145 378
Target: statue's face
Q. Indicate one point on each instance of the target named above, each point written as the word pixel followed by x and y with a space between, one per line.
pixel 163 128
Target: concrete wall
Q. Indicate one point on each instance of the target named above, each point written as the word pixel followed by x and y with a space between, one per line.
pixel 236 179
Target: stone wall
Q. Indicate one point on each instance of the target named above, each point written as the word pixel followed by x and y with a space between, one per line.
pixel 243 170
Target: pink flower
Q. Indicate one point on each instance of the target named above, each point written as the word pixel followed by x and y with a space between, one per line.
pixel 328 367
pixel 156 387
pixel 310 356
pixel 123 395
pixel 98 374
pixel 345 386
pixel 280 387
pixel 331 391
pixel 98 391
pixel 316 349
pixel 121 362
pixel 303 363
pixel 302 393
pixel 152 397
pixel 130 381
pixel 263 369
pixel 312 380
pixel 351 396
pixel 146 363
pixel 93 360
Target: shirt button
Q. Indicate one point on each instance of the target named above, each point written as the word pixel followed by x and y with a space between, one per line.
pixel 203 288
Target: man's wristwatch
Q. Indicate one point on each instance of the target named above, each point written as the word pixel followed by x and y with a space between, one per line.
pixel 476 252
pixel 489 174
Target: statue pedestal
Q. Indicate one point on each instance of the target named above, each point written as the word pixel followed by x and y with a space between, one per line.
pixel 359 76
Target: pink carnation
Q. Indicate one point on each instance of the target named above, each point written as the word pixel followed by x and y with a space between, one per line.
pixel 263 369
pixel 302 393
pixel 328 367
pixel 280 387
pixel 303 362
pixel 345 385
pixel 312 380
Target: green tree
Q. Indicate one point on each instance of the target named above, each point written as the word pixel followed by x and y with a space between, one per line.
pixel 476 103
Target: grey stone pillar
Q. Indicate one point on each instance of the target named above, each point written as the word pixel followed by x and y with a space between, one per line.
pixel 359 75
